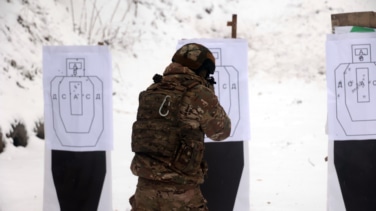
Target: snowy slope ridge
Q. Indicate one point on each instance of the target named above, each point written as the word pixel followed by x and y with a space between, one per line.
pixel 286 40
pixel 136 29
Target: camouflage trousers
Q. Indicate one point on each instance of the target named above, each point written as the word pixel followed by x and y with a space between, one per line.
pixel 159 196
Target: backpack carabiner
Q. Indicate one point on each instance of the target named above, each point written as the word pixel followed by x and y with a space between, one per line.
pixel 160 108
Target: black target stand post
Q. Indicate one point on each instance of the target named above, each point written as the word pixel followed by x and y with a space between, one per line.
pixel 226 163
pixel 355 160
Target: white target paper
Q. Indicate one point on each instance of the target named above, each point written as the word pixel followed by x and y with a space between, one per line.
pixel 351 80
pixel 78 97
pixel 231 75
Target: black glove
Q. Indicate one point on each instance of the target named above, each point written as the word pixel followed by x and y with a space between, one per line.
pixel 211 80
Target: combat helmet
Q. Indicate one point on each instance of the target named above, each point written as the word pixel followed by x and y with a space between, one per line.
pixel 197 58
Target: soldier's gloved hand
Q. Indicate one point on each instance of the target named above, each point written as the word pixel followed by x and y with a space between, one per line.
pixel 211 83
pixel 211 80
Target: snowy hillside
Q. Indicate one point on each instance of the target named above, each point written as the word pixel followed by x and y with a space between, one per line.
pixel 287 86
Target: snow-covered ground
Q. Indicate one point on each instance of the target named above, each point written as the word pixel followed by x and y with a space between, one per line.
pixel 287 87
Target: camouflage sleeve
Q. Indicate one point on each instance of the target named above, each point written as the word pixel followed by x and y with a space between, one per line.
pixel 205 110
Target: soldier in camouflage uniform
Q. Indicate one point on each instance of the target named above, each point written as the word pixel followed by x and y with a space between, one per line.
pixel 174 115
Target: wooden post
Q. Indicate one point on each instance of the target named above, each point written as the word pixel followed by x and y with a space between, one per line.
pixel 364 19
pixel 233 25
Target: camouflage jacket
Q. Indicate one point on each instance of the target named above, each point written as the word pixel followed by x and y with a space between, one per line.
pixel 173 117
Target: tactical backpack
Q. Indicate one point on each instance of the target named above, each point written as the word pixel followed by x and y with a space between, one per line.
pixel 158 131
